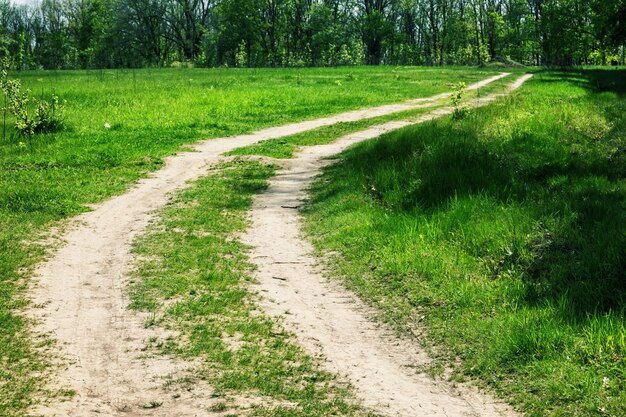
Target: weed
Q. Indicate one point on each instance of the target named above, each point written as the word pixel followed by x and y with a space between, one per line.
pixel 218 407
pixel 152 405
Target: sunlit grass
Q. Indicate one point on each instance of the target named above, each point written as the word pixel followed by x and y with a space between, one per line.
pixel 285 147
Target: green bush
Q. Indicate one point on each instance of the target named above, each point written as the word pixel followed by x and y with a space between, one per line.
pixel 32 115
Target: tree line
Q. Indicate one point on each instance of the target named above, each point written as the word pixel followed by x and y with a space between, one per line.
pixel 57 34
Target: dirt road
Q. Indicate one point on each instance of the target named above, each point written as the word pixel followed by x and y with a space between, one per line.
pixel 80 291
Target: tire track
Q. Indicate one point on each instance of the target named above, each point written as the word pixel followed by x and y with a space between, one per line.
pixel 327 319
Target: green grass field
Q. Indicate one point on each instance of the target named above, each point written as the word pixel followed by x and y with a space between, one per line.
pixel 500 235
pixel 503 235
pixel 151 113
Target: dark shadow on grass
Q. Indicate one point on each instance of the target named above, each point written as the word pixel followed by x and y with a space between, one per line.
pixel 594 80
pixel 582 259
pixel 606 80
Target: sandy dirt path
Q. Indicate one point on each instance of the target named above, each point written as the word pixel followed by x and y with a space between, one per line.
pixel 327 319
pixel 80 291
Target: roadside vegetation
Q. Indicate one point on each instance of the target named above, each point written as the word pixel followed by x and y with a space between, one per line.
pixel 499 238
pixel 194 279
pixel 118 125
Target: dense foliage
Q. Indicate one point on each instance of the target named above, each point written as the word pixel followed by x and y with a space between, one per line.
pixel 133 33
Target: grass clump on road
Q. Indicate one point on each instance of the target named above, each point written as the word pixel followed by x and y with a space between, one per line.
pixel 194 280
pixel 504 234
pixel 118 126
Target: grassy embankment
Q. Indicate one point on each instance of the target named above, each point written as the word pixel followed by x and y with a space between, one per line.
pixel 151 113
pixel 503 235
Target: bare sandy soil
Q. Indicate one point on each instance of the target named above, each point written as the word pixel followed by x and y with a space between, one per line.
pixel 80 301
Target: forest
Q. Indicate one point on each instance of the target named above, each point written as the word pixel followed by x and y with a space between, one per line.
pixel 86 34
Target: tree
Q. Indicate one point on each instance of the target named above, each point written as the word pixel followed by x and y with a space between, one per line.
pixel 375 28
pixel 610 18
pixel 187 22
pixel 113 33
pixel 142 26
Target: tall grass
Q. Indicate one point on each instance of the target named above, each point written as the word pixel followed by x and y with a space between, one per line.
pixel 505 233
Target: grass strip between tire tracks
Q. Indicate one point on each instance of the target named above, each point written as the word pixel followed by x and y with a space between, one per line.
pixel 195 280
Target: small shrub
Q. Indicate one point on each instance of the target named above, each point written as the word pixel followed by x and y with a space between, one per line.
pixel 456 98
pixel 49 115
pixel 32 115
